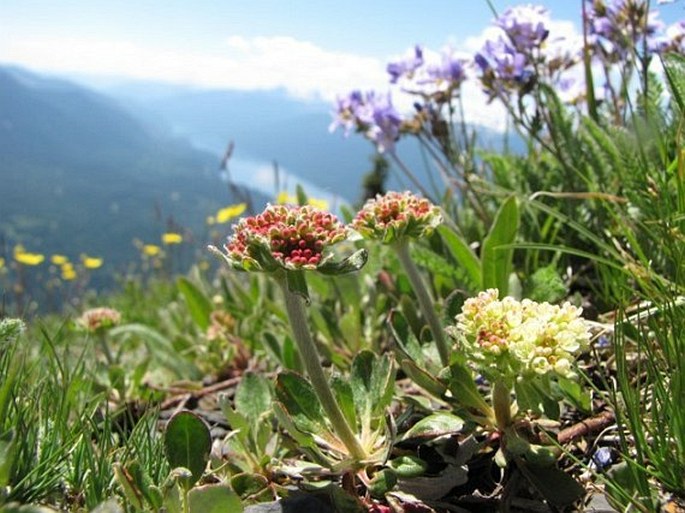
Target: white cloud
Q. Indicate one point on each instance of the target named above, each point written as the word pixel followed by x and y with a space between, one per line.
pixel 302 68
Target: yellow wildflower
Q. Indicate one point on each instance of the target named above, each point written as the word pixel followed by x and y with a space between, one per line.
pixel 226 214
pixel 91 262
pixel 321 204
pixel 59 259
pixel 284 198
pixel 28 258
pixel 172 238
pixel 2 262
pixel 151 250
pixel 68 272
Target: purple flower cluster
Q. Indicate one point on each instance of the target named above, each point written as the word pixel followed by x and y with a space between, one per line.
pixel 416 73
pixel 406 67
pixel 525 26
pixel 618 27
pixel 372 114
pixel 503 68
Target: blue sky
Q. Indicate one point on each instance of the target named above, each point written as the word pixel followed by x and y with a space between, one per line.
pixel 312 49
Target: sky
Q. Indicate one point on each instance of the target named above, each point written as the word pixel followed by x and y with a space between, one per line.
pixel 311 49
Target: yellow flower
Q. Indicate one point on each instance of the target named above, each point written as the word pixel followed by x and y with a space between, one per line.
pixel 2 262
pixel 284 198
pixel 28 258
pixel 226 214
pixel 321 204
pixel 151 250
pixel 68 272
pixel 211 220
pixel 59 259
pixel 91 262
pixel 19 249
pixel 172 238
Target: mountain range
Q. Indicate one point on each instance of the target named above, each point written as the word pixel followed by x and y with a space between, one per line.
pixel 88 166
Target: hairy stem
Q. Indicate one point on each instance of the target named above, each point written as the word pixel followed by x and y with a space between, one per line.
pixel 310 357
pixel 425 301
pixel 501 402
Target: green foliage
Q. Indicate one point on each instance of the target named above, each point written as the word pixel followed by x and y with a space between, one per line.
pixel 496 261
pixel 188 442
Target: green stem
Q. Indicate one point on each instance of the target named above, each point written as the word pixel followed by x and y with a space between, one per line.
pixel 501 402
pixel 102 339
pixel 425 301
pixel 294 304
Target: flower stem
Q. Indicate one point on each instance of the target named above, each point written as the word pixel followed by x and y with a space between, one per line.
pixel 310 357
pixel 425 301
pixel 501 402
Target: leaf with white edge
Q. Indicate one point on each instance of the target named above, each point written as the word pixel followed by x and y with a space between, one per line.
pixel 215 498
pixel 372 380
pixel 300 401
pixel 342 389
pixel 405 339
pixel 435 425
pixel 187 442
pixel 350 264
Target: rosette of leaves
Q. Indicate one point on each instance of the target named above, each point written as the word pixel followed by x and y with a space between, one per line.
pixel 364 397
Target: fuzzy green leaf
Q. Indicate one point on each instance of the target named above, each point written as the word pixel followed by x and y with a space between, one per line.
pixel 408 466
pixel 435 425
pixel 214 498
pixel 187 443
pixel 344 396
pixel 298 398
pixel 253 397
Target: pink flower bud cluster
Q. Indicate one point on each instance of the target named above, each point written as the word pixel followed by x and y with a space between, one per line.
pixel 97 319
pixel 295 236
pixel 396 215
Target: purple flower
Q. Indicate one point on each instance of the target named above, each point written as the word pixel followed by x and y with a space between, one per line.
pixel 405 67
pixel 450 70
pixel 372 114
pixel 618 27
pixel 347 108
pixel 525 25
pixel 503 68
pixel 385 129
pixel 602 458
